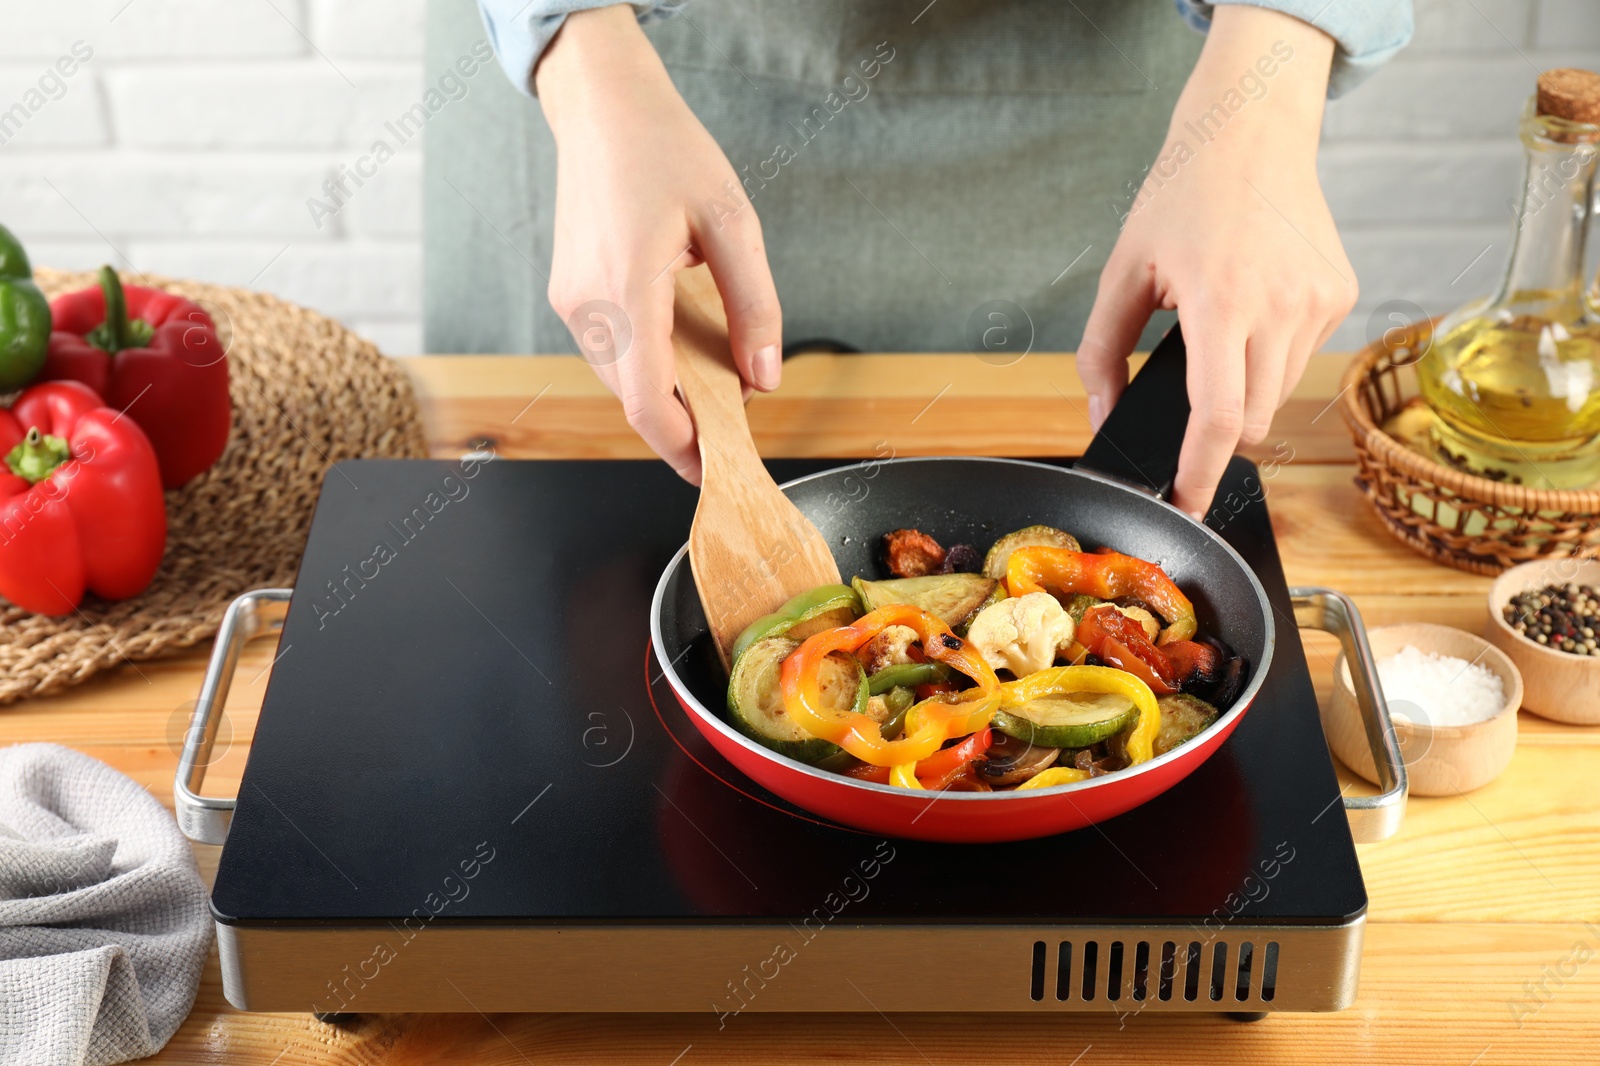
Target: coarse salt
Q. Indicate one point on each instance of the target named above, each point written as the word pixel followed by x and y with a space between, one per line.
pixel 1439 689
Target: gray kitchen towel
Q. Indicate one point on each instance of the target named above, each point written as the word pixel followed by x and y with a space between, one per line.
pixel 104 925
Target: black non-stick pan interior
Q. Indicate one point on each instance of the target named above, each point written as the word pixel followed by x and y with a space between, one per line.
pixel 975 501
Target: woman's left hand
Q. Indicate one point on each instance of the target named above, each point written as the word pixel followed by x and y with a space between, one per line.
pixel 1230 229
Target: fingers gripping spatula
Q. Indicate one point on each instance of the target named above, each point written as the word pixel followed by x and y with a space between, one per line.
pixel 750 549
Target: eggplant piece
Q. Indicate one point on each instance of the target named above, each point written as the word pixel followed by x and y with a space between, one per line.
pixel 755 698
pixel 955 599
pixel 994 564
pixel 1183 717
pixel 1226 680
pixel 1228 687
pixel 962 559
pixel 1010 762
pixel 1101 759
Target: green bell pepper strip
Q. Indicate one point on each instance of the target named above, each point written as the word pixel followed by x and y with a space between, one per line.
pixel 24 317
pixel 908 675
pixel 802 608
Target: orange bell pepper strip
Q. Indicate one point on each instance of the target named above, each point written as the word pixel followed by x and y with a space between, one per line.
pixel 928 725
pixel 1107 575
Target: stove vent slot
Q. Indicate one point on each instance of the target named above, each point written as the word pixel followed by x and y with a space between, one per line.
pixel 1219 968
pixel 1144 970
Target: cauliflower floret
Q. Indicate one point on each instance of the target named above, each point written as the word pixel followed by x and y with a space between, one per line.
pixel 888 648
pixel 1022 634
pixel 1144 618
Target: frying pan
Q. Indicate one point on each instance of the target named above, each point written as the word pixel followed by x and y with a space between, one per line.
pixel 1114 496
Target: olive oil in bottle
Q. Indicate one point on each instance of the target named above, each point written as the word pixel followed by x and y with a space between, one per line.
pixel 1514 379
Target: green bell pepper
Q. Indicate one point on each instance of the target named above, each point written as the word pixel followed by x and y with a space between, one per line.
pixel 908 675
pixel 824 607
pixel 24 317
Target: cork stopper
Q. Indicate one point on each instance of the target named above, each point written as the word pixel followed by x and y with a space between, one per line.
pixel 1573 95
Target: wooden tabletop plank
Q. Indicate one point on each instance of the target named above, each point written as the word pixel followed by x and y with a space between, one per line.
pixel 828 406
pixel 1478 899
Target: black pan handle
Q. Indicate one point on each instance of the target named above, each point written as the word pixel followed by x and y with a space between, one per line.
pixel 1140 440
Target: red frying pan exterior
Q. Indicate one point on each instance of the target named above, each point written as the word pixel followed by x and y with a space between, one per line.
pixel 962 817
pixel 1111 497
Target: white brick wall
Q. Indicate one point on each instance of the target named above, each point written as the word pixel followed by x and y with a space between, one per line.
pixel 1419 164
pixel 189 143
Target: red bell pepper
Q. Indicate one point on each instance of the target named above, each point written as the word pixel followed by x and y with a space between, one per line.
pixel 1106 575
pixel 1117 640
pixel 1121 642
pixel 941 769
pixel 156 357
pixel 80 501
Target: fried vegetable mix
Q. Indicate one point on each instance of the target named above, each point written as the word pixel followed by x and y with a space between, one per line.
pixel 1038 664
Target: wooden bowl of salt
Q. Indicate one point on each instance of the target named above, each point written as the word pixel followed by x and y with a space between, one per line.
pixel 1453 697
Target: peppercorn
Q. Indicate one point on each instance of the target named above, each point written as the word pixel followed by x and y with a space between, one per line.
pixel 1563 617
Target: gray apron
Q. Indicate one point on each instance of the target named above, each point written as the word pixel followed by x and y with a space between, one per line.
pixel 981 170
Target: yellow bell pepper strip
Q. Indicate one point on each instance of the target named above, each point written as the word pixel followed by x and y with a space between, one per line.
pixel 1060 680
pixel 928 725
pixel 904 775
pixel 1056 775
pixel 1107 575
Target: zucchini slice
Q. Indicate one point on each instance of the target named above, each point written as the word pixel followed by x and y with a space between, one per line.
pixel 1183 717
pixel 1073 720
pixel 755 697
pixel 994 564
pixel 811 612
pixel 952 598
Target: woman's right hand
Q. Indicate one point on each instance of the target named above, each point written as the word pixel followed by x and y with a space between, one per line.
pixel 643 191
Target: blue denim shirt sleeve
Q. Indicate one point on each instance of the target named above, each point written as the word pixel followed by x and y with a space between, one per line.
pixel 520 30
pixel 1367 32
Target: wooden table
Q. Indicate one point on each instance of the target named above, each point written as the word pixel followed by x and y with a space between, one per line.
pixel 1483 942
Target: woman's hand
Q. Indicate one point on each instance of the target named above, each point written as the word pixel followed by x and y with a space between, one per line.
pixel 1231 229
pixel 642 191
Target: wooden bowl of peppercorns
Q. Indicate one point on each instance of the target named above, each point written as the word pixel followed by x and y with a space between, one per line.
pixel 1545 615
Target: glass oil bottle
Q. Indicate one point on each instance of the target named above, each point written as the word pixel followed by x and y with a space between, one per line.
pixel 1514 379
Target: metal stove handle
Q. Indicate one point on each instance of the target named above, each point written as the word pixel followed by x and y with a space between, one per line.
pixel 205 819
pixel 1371 817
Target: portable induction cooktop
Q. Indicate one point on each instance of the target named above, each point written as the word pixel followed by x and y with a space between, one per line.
pixel 471 789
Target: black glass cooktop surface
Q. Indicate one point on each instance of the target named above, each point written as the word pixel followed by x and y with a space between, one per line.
pixel 466 719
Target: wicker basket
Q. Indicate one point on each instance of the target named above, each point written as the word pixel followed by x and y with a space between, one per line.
pixel 1462 520
pixel 306 394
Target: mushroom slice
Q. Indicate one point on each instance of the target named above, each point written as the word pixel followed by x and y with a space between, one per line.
pixel 1010 761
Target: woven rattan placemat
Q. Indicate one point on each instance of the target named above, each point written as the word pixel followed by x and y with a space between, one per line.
pixel 306 393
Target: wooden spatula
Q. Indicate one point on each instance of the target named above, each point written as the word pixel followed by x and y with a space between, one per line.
pixel 750 549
